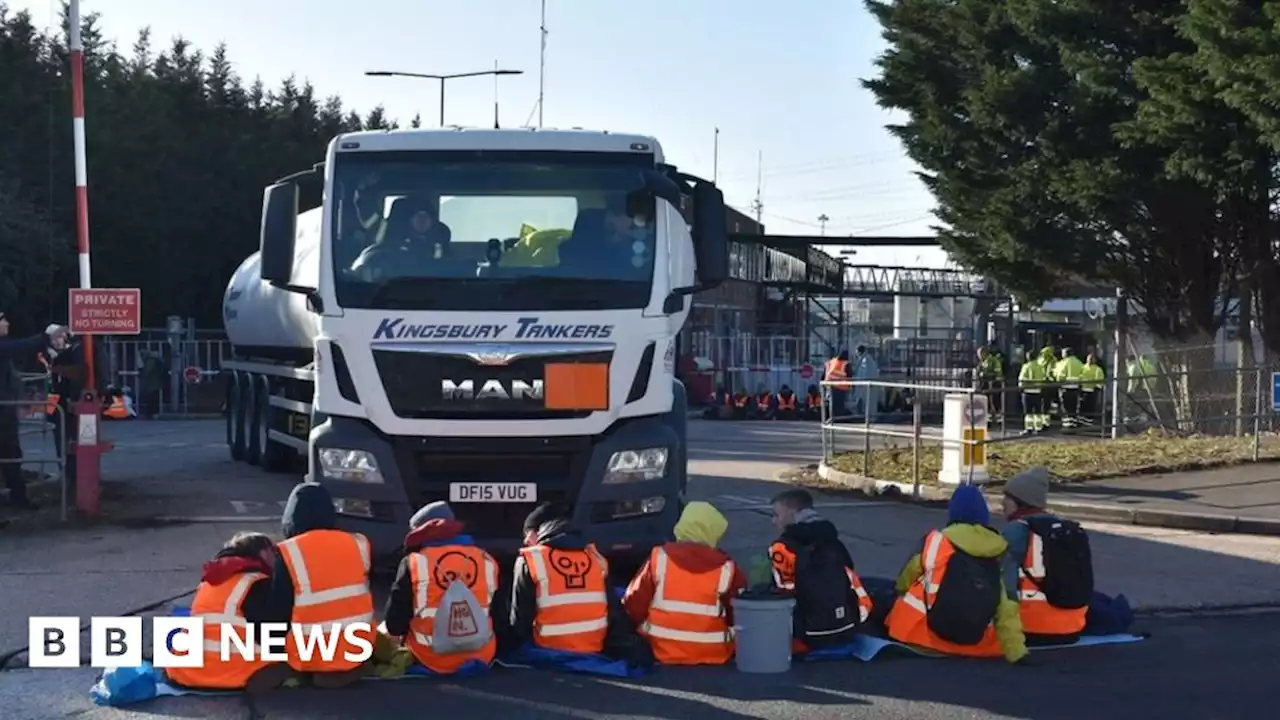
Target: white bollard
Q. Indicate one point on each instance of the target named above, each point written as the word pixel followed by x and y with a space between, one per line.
pixel 964 421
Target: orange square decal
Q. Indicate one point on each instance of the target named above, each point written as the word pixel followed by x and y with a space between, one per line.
pixel 576 386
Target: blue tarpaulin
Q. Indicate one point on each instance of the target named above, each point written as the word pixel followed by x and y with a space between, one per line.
pixel 866 647
pixel 585 663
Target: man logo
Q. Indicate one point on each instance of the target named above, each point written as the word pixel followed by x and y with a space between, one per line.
pixel 493 358
pixel 491 390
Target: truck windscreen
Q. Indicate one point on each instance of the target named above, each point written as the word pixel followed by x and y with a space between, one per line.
pixel 489 230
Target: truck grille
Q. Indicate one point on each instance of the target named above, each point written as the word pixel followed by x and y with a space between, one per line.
pixel 414 385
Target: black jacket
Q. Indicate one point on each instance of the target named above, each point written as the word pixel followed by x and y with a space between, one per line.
pixel 816 531
pixel 621 641
pixel 400 603
pixel 309 508
pixel 12 354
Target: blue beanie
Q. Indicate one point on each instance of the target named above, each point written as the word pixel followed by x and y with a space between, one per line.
pixel 968 505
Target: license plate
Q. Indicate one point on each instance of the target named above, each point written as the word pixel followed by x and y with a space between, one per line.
pixel 493 492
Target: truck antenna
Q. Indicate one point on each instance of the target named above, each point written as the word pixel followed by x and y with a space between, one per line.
pixel 542 63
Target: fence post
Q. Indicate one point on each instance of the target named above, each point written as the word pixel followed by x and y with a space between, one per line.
pixel 917 413
pixel 823 412
pixel 1257 412
pixel 866 434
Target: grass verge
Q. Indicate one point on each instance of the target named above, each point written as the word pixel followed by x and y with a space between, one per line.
pixel 1075 460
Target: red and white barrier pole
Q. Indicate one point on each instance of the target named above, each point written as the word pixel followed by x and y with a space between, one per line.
pixel 88 450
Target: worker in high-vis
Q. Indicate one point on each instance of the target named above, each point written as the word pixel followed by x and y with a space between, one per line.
pixel 560 596
pixel 680 599
pixel 1069 372
pixel 233 597
pixel 788 407
pixel 441 598
pixel 1049 567
pixel 763 404
pixel 321 583
pixel 951 596
pixel 837 396
pixel 1031 379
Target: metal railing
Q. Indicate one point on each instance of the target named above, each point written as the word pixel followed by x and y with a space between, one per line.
pixel 59 458
pixel 162 387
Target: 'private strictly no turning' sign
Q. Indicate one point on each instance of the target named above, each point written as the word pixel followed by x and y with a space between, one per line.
pixel 113 311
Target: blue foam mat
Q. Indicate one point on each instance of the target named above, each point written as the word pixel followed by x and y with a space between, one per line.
pixel 866 647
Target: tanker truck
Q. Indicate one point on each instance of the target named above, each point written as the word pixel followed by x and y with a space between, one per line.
pixel 482 316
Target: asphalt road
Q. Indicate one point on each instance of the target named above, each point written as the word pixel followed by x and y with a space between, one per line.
pixel 1207 669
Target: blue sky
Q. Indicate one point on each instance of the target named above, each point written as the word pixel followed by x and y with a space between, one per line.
pixel 778 79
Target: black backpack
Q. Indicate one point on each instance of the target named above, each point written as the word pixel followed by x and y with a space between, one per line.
pixel 1068 562
pixel 967 599
pixel 826 613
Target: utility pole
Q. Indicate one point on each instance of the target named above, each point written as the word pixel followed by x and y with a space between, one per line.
pixel 822 221
pixel 715 158
pixel 758 204
pixel 542 63
pixel 496 126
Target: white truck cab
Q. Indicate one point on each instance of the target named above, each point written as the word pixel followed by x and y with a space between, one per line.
pixel 487 317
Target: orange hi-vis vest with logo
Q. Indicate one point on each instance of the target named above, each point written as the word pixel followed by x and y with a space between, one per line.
pixel 907 620
pixel 837 369
pixel 784 576
pixel 786 402
pixel 572 600
pixel 687 623
pixel 330 572
pixel 431 571
pixel 221 605
pixel 1038 616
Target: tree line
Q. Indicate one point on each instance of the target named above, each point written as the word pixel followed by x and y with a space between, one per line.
pixel 179 150
pixel 1124 144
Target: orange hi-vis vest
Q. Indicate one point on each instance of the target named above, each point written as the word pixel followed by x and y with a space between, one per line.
pixel 764 402
pixel 687 623
pixel 573 607
pixel 431 571
pixel 837 369
pixel 330 572
pixel 815 400
pixel 784 576
pixel 740 401
pixel 1038 616
pixel 907 620
pixel 786 402
pixel 117 410
pixel 219 605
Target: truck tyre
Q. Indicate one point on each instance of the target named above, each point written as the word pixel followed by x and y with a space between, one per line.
pixel 275 457
pixel 253 420
pixel 235 416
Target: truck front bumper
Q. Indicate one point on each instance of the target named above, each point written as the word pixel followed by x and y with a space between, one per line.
pixel 624 520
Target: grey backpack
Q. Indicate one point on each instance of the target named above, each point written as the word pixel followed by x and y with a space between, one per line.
pixel 462 624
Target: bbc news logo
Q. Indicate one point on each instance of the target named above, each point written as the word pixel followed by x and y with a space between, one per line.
pixel 179 642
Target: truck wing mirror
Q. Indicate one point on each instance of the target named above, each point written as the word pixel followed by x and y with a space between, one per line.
pixel 279 233
pixel 660 186
pixel 710 235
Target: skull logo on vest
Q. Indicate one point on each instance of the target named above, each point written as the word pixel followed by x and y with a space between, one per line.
pixel 785 564
pixel 454 566
pixel 573 567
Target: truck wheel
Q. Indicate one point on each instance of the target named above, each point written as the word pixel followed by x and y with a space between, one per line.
pixel 235 416
pixel 275 457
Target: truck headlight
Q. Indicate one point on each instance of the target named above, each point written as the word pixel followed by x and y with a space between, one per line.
pixel 636 466
pixel 349 466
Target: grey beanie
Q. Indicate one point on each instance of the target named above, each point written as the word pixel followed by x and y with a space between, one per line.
pixel 438 510
pixel 1030 487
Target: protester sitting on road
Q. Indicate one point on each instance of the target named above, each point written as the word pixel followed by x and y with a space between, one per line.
pixel 813 403
pixel 721 407
pixel 741 405
pixel 764 404
pixel 680 599
pixel 440 562
pixel 321 579
pixel 951 596
pixel 809 560
pixel 234 584
pixel 560 596
pixel 1049 566
pixel 787 404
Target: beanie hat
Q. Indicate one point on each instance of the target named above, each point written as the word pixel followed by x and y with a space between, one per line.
pixel 968 506
pixel 1030 487
pixel 438 510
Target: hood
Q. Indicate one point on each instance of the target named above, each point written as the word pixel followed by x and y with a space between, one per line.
pixel 310 507
pixel 701 523
pixel 225 567
pixel 810 528
pixel 977 540
pixel 435 532
pixel 561 535
pixel 695 557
